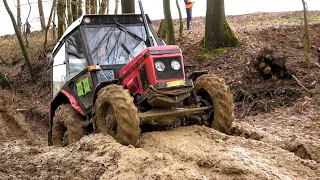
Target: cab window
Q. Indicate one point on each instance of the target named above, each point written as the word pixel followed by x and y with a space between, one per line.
pixel 111 45
pixel 76 60
pixel 59 71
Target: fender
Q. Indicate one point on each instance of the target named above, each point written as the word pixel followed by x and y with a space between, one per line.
pixel 73 102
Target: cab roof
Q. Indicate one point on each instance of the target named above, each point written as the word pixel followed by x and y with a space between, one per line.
pixel 102 20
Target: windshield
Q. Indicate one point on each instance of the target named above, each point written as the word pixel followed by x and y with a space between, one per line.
pixel 111 45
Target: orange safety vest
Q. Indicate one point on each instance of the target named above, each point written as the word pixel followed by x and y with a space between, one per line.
pixel 188 6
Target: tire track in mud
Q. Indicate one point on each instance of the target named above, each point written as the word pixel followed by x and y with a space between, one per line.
pixel 295 129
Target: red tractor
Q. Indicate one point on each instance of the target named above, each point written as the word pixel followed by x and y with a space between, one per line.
pixel 111 74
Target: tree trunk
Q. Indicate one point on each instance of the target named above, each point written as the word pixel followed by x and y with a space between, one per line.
pixel 127 6
pixel 87 5
pixel 19 15
pixel 93 6
pixel 108 6
pixel 162 31
pixel 169 23
pixel 79 8
pixel 180 20
pixel 307 45
pixel 61 17
pixel 103 6
pixel 48 26
pixel 43 23
pixel 69 10
pixel 217 31
pixel 74 9
pixel 53 22
pixel 116 7
pixel 18 34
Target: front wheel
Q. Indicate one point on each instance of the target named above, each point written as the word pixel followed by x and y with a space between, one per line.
pixel 214 90
pixel 66 128
pixel 115 114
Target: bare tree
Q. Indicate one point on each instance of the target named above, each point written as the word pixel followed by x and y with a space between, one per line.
pixel 307 45
pixel 43 23
pixel 19 15
pixel 70 12
pixel 128 6
pixel 54 21
pixel 54 3
pixel 19 37
pixel 217 31
pixel 116 7
pixel 103 6
pixel 169 23
pixel 93 6
pixel 180 20
pixel 74 9
pixel 79 8
pixel 162 31
pixel 87 6
pixel 108 8
pixel 61 17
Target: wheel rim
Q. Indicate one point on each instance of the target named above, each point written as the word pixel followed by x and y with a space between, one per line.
pixel 206 100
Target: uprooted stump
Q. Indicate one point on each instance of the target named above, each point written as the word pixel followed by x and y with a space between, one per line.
pixel 271 65
pixel 4 83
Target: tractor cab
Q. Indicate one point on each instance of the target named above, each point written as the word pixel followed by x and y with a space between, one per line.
pixel 94 49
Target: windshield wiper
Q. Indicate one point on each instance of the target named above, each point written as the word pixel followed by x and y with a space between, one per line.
pixel 124 29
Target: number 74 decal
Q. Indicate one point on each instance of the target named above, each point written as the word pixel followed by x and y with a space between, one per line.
pixel 83 87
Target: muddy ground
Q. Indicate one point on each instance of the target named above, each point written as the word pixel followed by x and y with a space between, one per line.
pixel 275 134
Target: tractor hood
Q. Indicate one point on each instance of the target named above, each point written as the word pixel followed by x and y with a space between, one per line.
pixel 138 60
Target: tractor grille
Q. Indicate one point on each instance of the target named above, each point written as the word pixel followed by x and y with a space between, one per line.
pixel 168 72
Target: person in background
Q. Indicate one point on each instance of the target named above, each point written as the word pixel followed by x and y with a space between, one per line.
pixel 189 5
pixel 28 26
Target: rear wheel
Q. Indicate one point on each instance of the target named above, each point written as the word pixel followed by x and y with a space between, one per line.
pixel 66 128
pixel 115 114
pixel 214 91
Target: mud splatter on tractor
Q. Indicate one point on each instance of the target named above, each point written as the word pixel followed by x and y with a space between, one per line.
pixel 111 74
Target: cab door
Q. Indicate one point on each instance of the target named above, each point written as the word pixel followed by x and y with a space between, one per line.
pixel 77 70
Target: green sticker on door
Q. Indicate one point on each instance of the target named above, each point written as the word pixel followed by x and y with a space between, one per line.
pixel 83 87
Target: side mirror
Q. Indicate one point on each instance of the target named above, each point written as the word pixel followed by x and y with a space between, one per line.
pixel 162 43
pixel 49 58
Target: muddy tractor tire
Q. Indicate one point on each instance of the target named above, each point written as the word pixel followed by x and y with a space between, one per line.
pixel 66 128
pixel 115 114
pixel 214 90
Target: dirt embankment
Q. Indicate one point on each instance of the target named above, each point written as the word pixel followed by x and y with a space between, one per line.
pixel 21 119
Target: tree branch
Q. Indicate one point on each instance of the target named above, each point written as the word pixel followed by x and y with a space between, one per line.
pixel 300 84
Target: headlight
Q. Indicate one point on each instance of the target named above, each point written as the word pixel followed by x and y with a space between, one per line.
pixel 175 65
pixel 160 66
